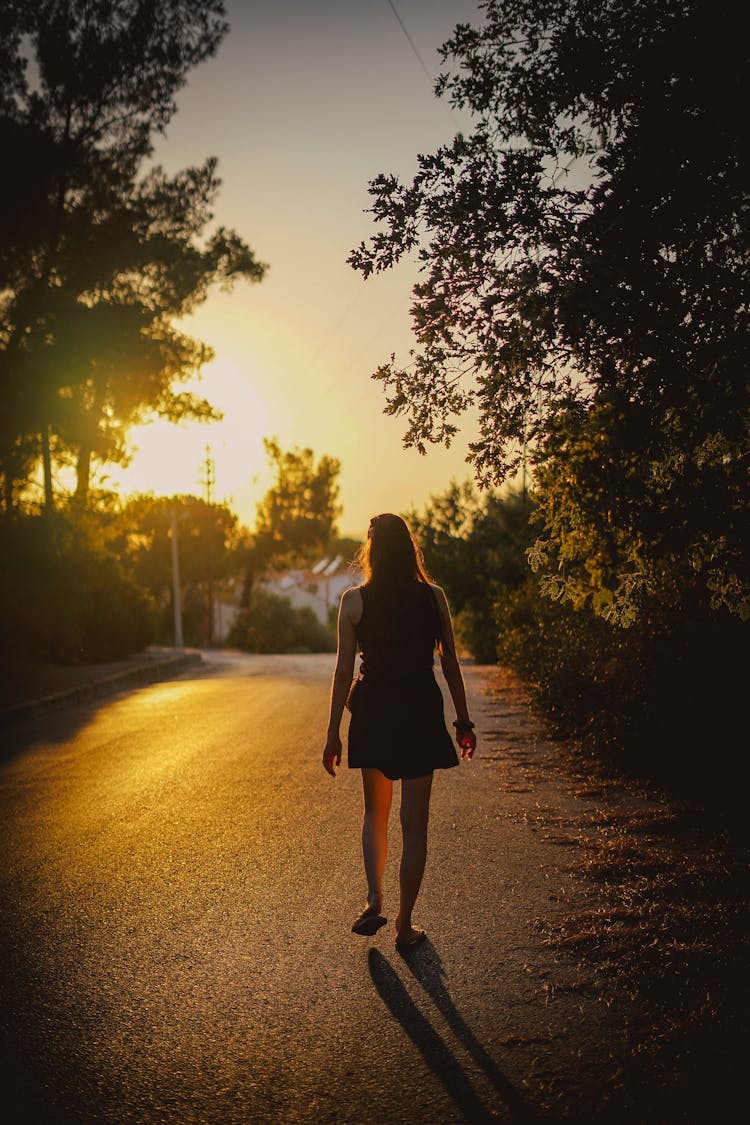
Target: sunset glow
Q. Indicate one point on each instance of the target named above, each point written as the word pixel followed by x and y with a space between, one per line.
pixel 169 458
pixel 303 106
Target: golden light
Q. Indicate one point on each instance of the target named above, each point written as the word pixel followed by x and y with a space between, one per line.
pixel 170 457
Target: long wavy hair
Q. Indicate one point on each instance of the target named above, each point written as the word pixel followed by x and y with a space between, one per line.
pixel 390 557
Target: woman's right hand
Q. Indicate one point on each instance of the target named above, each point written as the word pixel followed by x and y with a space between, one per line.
pixel 332 754
pixel 466 739
pixel 468 743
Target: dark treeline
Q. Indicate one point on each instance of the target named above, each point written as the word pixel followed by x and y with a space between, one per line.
pixel 97 584
pixel 100 253
pixel 584 286
pixel 662 697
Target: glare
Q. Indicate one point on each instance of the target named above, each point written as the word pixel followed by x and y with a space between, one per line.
pixel 171 458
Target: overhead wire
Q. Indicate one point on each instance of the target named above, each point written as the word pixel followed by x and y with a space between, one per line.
pixel 415 50
pixel 411 42
pixel 322 347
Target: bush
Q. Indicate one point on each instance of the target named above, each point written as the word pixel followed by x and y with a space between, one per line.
pixel 273 624
pixel 663 697
pixel 63 597
pixel 475 631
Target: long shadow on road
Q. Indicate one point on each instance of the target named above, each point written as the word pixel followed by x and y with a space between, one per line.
pixel 426 968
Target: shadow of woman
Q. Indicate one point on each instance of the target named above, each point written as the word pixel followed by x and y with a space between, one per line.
pixel 427 970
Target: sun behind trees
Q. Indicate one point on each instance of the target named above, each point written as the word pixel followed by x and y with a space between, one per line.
pixel 99 252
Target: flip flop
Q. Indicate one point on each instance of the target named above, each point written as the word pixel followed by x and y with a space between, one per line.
pixel 412 943
pixel 369 922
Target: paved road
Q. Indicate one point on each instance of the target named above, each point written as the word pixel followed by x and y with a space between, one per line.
pixel 178 879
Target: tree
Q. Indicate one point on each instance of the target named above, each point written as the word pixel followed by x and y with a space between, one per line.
pixel 298 514
pixel 65 594
pixel 475 547
pixel 98 256
pixel 272 624
pixel 585 279
pixel 209 539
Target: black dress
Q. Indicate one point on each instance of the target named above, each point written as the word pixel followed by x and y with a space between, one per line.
pixel 397 722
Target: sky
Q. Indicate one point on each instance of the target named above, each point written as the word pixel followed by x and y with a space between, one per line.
pixel 303 105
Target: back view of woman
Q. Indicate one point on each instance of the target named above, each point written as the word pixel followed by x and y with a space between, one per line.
pixel 397 730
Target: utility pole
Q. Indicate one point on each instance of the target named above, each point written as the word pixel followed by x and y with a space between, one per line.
pixel 209 476
pixel 209 479
pixel 176 598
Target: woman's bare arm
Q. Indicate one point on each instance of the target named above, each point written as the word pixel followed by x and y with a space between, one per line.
pixel 449 660
pixel 350 610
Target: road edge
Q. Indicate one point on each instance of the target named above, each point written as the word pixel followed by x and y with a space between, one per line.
pixel 107 685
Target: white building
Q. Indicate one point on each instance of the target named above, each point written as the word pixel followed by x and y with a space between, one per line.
pixel 320 587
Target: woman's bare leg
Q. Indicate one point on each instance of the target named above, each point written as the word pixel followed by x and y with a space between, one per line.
pixel 378 791
pixel 415 813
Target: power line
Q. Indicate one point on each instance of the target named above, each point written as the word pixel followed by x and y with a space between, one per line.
pixel 430 76
pixel 321 348
pixel 411 42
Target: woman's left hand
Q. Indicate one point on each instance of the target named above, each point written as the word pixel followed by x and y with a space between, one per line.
pixel 466 739
pixel 468 744
pixel 332 754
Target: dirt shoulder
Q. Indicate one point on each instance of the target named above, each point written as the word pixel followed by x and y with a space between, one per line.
pixel 652 922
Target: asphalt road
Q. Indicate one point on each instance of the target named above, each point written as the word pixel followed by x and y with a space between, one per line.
pixel 178 879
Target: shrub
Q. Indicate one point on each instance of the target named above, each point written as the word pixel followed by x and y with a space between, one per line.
pixel 476 631
pixel 273 624
pixel 64 597
pixel 663 697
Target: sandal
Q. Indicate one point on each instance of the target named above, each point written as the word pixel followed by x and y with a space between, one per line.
pixel 369 921
pixel 412 942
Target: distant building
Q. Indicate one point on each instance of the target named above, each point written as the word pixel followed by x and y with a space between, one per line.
pixel 319 587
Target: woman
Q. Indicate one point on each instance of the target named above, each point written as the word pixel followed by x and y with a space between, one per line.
pixel 397 729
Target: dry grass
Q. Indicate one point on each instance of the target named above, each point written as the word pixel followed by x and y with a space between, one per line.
pixel 669 933
pixel 663 926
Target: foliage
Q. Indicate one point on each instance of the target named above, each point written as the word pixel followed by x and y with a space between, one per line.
pixel 298 514
pixel 273 624
pixel 296 519
pixel 660 697
pixel 64 595
pixel 208 541
pixel 585 279
pixel 97 255
pixel 475 548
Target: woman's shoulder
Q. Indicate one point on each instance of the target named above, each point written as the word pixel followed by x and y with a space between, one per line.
pixel 440 601
pixel 352 602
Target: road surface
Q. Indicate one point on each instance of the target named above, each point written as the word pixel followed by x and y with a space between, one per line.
pixel 179 876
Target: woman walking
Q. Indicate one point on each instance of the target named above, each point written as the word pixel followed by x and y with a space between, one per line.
pixel 397 730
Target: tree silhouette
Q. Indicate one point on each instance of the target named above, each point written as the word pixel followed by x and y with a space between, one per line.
pixel 297 516
pixel 98 253
pixel 584 287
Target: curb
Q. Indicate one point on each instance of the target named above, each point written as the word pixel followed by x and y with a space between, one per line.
pixel 117 681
